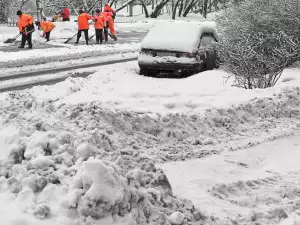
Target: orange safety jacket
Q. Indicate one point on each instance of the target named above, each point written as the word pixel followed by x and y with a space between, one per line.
pixel 99 21
pixel 47 26
pixel 24 21
pixel 83 21
pixel 107 7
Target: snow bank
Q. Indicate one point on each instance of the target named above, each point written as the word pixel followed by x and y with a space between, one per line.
pixel 177 36
pixel 40 56
pixel 123 89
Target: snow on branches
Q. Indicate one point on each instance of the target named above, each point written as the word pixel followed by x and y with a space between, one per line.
pixel 258 40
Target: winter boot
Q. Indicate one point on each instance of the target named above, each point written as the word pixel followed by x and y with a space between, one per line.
pixel 21 46
pixel 87 43
pixel 29 47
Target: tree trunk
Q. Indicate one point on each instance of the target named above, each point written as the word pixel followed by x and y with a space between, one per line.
pixel 216 5
pixel 189 7
pixel 174 10
pixel 158 8
pixel 145 8
pixel 186 3
pixel 124 5
pixel 205 8
pixel 130 9
pixel 113 2
pixel 209 9
pixel 180 8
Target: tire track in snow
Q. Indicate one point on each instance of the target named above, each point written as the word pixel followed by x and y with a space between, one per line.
pixel 271 198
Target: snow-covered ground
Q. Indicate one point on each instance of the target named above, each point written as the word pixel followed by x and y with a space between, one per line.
pixel 84 151
pixel 258 184
pixel 120 87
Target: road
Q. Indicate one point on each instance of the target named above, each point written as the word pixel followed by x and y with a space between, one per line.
pixel 47 76
pixel 15 81
pixel 126 37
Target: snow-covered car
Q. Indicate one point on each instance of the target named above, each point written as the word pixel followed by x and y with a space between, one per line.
pixel 179 47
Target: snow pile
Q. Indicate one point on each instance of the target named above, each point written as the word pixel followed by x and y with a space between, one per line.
pixel 177 36
pixel 109 187
pixel 40 56
pixel 123 89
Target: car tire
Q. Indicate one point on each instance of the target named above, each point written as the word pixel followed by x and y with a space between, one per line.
pixel 202 67
pixel 144 71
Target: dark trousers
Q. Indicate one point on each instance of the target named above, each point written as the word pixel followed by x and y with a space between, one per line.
pixel 99 33
pixel 86 35
pixel 48 36
pixel 66 19
pixel 27 38
pixel 106 33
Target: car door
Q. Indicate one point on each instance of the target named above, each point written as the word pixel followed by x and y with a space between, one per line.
pixel 207 50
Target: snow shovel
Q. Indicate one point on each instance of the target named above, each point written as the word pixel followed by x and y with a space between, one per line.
pixel 11 40
pixel 91 37
pixel 69 39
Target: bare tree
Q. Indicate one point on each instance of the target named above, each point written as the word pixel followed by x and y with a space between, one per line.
pixel 188 8
pixel 205 8
pixel 174 9
pixel 145 8
pixel 158 8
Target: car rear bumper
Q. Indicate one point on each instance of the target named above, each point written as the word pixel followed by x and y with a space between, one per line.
pixel 159 63
pixel 171 66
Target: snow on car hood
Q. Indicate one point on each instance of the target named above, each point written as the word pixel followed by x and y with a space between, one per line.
pixel 177 36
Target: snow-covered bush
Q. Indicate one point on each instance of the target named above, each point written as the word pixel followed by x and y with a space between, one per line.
pixel 258 40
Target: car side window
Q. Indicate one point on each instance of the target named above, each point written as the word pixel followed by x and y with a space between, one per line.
pixel 207 41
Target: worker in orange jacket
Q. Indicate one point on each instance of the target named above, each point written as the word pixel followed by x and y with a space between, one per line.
pixel 109 24
pixel 47 27
pixel 26 28
pixel 99 24
pixel 107 8
pixel 83 26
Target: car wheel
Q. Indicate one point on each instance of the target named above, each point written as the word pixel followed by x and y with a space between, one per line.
pixel 144 71
pixel 202 67
pixel 154 73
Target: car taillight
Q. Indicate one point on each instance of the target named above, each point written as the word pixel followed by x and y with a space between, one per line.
pixel 189 55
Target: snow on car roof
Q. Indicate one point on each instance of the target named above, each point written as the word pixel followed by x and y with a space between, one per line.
pixel 177 36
